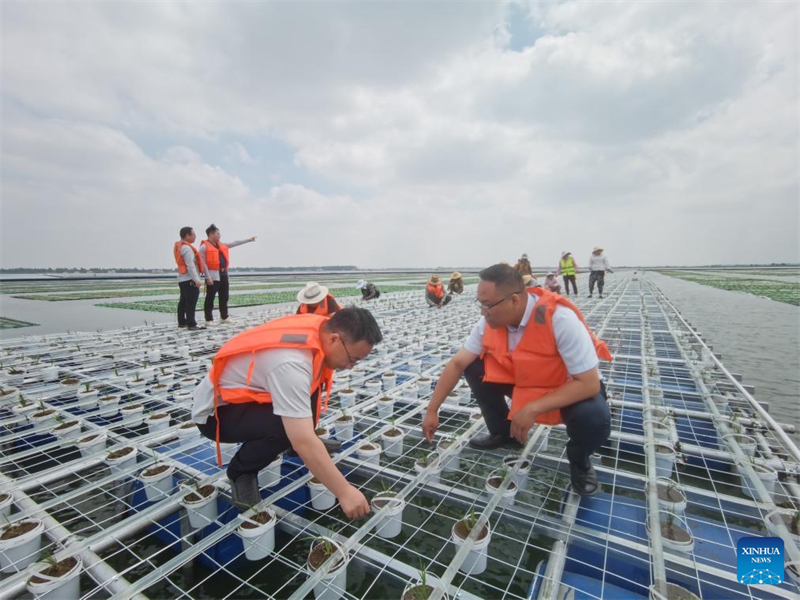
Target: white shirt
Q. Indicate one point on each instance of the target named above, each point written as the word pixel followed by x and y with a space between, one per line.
pixel 191 272
pixel 598 263
pixel 573 341
pixel 285 373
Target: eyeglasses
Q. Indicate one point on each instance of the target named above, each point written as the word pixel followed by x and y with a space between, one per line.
pixel 350 359
pixel 486 308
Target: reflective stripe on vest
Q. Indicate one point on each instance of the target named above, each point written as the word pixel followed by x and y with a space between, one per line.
pixel 212 255
pixel 567 266
pixel 182 268
pixel 296 331
pixel 535 367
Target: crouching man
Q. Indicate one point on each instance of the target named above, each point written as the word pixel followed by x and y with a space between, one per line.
pixel 534 347
pixel 267 388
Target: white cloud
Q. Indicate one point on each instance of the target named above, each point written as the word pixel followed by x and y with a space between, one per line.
pixel 620 123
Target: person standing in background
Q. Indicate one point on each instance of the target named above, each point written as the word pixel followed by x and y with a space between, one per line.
pixel 216 261
pixel 190 271
pixel 598 265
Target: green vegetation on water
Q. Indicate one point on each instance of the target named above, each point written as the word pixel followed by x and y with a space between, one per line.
pixel 168 306
pixel 781 291
pixel 6 323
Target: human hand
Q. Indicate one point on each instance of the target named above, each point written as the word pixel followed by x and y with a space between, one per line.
pixel 522 423
pixel 253 239
pixel 430 424
pixel 210 281
pixel 354 503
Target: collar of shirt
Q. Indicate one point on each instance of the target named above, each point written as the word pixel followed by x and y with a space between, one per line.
pixel 526 315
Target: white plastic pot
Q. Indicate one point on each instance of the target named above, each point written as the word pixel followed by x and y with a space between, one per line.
pixel 746 443
pixel 67 433
pixel 271 474
pixel 187 383
pixel 50 374
pixel 87 399
pixel 373 387
pixel 522 473
pixel 685 547
pixel 6 504
pixel 19 552
pixel 370 453
pixel 10 395
pixel 187 431
pixel 122 463
pixel 415 366
pixel 665 461
pixel 435 473
pixel 507 498
pixel 424 386
pixel 183 396
pixel 389 380
pixel 96 444
pixel 344 428
pixel 157 486
pixel 109 405
pixel 347 398
pixel 166 377
pixel 385 407
pixel 334 584
pixel 768 477
pixel 132 415
pixel 135 384
pixel 158 422
pixel 475 563
pixel 258 538
pixel 391 524
pixel 393 445
pixel 25 411
pixel 47 417
pixel 677 507
pixel 14 379
pixel 453 461
pixel 431 582
pixel 200 512
pixel 321 497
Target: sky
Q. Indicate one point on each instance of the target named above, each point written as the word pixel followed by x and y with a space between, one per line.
pixel 399 134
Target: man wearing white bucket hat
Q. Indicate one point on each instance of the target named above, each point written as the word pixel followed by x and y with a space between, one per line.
pixel 369 291
pixel 314 299
pixel 598 265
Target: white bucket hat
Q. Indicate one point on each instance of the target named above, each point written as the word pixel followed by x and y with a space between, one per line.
pixel 596 248
pixel 564 253
pixel 362 283
pixel 312 293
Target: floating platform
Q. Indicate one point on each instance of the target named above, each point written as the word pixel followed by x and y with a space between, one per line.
pixel 694 463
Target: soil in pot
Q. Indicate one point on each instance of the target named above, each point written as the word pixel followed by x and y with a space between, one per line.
pixel 44 413
pixel 663 450
pixel 393 433
pixel 669 494
pixel 88 439
pixel 261 518
pixel 120 453
pixel 320 431
pixel 60 569
pixel 367 447
pixel 4 497
pixel 155 470
pixel 321 551
pixel 188 426
pixel 199 494
pixel 131 406
pixel 675 532
pixel 65 425
pixel 463 530
pixel 70 382
pixel 418 592
pixel 159 416
pixel 14 531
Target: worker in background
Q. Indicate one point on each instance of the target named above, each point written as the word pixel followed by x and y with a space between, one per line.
pixel 530 282
pixel 369 291
pixel 598 265
pixel 551 283
pixel 216 262
pixel 567 269
pixel 456 284
pixel 523 266
pixel 315 299
pixel 434 293
pixel 190 273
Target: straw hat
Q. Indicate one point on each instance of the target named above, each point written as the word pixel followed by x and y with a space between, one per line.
pixel 434 280
pixel 526 279
pixel 362 283
pixel 455 275
pixel 597 248
pixel 312 293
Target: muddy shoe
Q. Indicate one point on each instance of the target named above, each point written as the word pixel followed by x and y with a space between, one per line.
pixel 584 481
pixel 244 491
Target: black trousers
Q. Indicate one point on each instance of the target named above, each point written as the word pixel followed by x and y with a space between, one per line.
pixel 187 303
pixel 567 280
pixel 257 428
pixel 222 287
pixel 588 421
pixel 600 278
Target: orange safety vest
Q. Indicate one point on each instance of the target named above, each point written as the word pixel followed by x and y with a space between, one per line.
pixel 322 308
pixel 535 367
pixel 295 331
pixel 212 255
pixel 436 290
pixel 182 268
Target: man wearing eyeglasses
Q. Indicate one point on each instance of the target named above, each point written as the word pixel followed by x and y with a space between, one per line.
pixel 266 390
pixel 533 346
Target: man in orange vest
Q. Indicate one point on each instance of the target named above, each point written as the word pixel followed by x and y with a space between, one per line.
pixel 266 389
pixel 314 299
pixel 535 347
pixel 434 293
pixel 216 261
pixel 190 272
